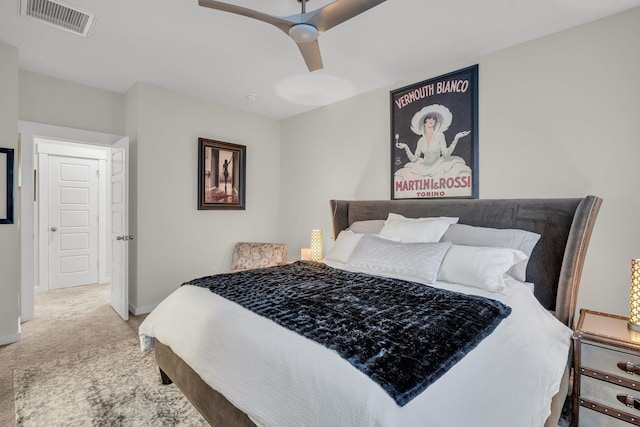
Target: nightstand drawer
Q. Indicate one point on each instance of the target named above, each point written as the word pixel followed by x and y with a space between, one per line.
pixel 606 394
pixel 589 418
pixel 607 359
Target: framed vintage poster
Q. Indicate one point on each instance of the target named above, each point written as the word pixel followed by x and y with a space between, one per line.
pixel 6 186
pixel 434 137
pixel 221 175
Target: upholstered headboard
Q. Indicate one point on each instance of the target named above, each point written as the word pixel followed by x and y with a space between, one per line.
pixel 556 263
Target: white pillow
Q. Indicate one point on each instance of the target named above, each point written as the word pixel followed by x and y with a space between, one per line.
pixel 525 241
pixel 394 216
pixel 370 226
pixel 416 230
pixel 480 267
pixel 408 261
pixel 343 246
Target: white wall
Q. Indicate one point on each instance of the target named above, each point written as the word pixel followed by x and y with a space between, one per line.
pixel 558 118
pixel 9 233
pixel 174 241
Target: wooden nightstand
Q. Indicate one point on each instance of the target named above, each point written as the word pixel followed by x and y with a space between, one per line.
pixel 606 388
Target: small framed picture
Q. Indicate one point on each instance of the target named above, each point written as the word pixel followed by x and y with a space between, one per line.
pixel 6 186
pixel 434 137
pixel 221 175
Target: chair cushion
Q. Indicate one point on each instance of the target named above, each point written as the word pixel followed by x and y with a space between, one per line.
pixel 248 255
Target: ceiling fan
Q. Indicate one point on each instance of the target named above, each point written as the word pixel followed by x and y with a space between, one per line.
pixel 304 28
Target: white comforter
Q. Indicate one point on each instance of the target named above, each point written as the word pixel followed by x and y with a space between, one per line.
pixel 279 378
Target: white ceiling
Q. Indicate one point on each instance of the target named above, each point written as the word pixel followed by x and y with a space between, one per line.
pixel 223 57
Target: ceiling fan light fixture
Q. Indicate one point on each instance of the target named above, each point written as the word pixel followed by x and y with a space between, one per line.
pixel 303 33
pixel 314 89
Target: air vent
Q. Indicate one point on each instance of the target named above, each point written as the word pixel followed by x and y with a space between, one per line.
pixel 59 15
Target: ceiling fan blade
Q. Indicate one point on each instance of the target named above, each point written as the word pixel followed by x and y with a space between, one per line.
pixel 282 23
pixel 339 11
pixel 311 53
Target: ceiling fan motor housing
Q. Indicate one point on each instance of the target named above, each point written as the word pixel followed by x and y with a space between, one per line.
pixel 303 33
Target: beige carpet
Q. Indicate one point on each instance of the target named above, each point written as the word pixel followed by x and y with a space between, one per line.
pixel 78 363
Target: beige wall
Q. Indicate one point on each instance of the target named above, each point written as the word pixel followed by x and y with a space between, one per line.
pixel 558 118
pixel 176 242
pixel 9 233
pixel 578 133
pixel 58 102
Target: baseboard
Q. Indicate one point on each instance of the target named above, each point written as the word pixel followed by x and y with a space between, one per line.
pixel 141 310
pixel 8 339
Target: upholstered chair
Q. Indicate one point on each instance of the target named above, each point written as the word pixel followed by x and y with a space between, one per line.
pixel 248 255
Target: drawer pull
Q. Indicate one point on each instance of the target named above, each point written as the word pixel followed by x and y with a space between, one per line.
pixel 629 367
pixel 629 401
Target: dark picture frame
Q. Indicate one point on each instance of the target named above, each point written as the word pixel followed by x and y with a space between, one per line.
pixel 428 119
pixel 6 185
pixel 221 175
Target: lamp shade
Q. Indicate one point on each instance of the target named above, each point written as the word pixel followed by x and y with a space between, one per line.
pixel 634 297
pixel 316 245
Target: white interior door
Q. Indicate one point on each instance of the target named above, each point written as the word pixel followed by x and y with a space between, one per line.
pixel 73 222
pixel 120 228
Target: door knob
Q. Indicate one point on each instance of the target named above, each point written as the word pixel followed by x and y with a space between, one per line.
pixel 120 238
pixel 54 228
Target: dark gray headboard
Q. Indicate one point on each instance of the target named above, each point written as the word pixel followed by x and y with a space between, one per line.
pixel 556 263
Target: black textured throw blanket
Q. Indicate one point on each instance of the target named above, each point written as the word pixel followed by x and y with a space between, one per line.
pixel 403 335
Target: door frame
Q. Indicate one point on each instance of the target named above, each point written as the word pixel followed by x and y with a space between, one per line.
pixel 44 148
pixel 29 253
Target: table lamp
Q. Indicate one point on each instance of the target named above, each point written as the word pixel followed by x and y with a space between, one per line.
pixel 316 245
pixel 634 297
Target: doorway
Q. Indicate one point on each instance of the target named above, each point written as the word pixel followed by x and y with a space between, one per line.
pixel 112 147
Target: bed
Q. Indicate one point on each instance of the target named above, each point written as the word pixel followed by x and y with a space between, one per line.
pixel 249 347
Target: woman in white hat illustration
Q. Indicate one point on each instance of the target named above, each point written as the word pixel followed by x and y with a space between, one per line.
pixel 431 122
